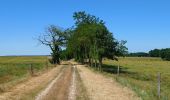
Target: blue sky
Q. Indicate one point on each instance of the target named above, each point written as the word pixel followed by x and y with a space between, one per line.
pixel 145 24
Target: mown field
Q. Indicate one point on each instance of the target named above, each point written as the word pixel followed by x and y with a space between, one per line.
pixel 16 69
pixel 140 74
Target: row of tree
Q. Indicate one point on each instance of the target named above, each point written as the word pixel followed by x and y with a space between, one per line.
pixel 138 54
pixel 89 40
pixel 163 53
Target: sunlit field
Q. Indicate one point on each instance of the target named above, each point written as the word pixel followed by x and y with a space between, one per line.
pixel 140 74
pixel 15 69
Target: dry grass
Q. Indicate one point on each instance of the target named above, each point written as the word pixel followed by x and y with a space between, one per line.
pixel 140 74
pixel 27 90
pixel 102 88
pixel 14 70
pixel 81 92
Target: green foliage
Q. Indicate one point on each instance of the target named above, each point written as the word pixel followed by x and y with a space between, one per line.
pixel 121 48
pixel 91 40
pixel 155 53
pixel 138 54
pixel 163 53
pixel 65 55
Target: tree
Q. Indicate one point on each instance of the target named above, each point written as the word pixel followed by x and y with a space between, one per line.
pixel 54 38
pixel 165 54
pixel 121 49
pixel 155 53
pixel 91 40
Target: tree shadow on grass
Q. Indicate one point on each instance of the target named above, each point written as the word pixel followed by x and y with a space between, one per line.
pixel 112 69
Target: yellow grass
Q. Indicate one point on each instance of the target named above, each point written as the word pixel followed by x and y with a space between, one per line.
pixel 140 74
pixel 15 69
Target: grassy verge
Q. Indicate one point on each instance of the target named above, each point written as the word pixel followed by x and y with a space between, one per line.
pixel 17 69
pixel 140 74
pixel 33 93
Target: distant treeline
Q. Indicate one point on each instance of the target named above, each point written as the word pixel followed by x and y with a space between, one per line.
pixel 163 53
pixel 138 54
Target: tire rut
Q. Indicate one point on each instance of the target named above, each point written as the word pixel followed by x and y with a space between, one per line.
pixel 45 92
pixel 59 88
pixel 72 90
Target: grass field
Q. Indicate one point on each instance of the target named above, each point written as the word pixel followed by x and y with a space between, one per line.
pixel 14 69
pixel 140 74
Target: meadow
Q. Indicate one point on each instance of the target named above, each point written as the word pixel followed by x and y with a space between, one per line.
pixel 14 69
pixel 140 74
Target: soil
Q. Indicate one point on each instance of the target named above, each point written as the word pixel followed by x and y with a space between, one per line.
pixel 60 88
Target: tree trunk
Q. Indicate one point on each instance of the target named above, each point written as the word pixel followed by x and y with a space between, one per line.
pixel 100 63
pixel 92 62
pixel 95 63
pixel 89 61
pixel 58 60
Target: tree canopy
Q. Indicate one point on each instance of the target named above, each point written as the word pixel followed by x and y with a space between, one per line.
pixel 55 38
pixel 89 40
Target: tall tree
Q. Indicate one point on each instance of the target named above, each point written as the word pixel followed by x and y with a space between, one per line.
pixel 92 40
pixel 54 38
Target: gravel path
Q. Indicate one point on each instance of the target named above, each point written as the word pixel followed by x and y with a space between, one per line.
pixel 102 88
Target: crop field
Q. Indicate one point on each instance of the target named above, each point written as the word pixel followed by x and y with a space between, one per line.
pixel 140 74
pixel 14 69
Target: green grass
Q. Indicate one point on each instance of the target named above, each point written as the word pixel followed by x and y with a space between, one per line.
pixel 12 69
pixel 140 74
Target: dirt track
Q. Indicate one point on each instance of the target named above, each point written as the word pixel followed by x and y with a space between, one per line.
pixel 70 82
pixel 60 88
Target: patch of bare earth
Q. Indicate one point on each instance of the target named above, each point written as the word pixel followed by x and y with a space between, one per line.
pixel 34 84
pixel 60 89
pixel 101 88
